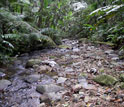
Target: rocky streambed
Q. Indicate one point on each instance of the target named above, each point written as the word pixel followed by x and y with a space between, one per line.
pixel 76 74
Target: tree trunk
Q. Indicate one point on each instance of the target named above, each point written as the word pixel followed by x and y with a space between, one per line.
pixel 40 12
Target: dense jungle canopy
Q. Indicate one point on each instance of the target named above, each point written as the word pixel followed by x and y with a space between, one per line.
pixel 27 25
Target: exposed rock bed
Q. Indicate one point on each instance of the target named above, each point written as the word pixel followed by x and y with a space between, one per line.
pixel 72 75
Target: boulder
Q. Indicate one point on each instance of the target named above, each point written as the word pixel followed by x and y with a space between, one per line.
pixel 61 80
pixel 32 78
pixel 32 62
pixel 4 84
pixel 43 69
pixel 50 63
pixel 48 88
pixel 106 80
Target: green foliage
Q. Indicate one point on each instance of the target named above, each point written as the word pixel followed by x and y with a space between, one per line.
pixel 53 34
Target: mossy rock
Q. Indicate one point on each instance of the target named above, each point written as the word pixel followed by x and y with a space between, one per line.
pixel 122 85
pixel 105 43
pixel 122 77
pixel 32 62
pixel 64 47
pixel 53 34
pixel 106 80
pixel 121 57
pixel 84 40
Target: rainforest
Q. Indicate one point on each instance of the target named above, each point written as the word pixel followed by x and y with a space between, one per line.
pixel 61 53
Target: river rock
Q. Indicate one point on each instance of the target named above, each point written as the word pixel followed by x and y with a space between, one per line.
pixel 32 62
pixel 122 77
pixel 2 74
pixel 48 88
pixel 107 80
pixel 61 80
pixel 4 84
pixel 50 63
pixel 55 96
pixel 44 98
pixel 32 78
pixel 109 51
pixel 69 69
pixel 44 69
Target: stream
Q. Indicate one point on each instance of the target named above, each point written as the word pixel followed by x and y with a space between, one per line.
pixel 62 77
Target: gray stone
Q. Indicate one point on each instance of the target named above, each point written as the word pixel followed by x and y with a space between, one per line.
pixel 48 88
pixel 109 52
pixel 61 80
pixel 115 58
pixel 121 52
pixel 50 63
pixel 75 56
pixel 4 84
pixel 43 69
pixel 2 74
pixel 55 96
pixel 68 69
pixel 76 50
pixel 32 78
pixel 44 98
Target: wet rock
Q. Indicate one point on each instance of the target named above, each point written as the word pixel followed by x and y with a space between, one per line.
pixel 48 88
pixel 61 80
pixel 32 62
pixel 122 77
pixel 107 80
pixel 4 84
pixel 32 78
pixel 122 85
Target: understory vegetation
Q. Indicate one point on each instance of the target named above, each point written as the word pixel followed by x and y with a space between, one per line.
pixel 27 25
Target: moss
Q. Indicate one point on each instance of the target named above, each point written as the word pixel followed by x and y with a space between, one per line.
pixel 104 43
pixel 32 62
pixel 106 80
pixel 121 57
pixel 122 85
pixel 64 47
pixel 84 40
pixel 122 77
